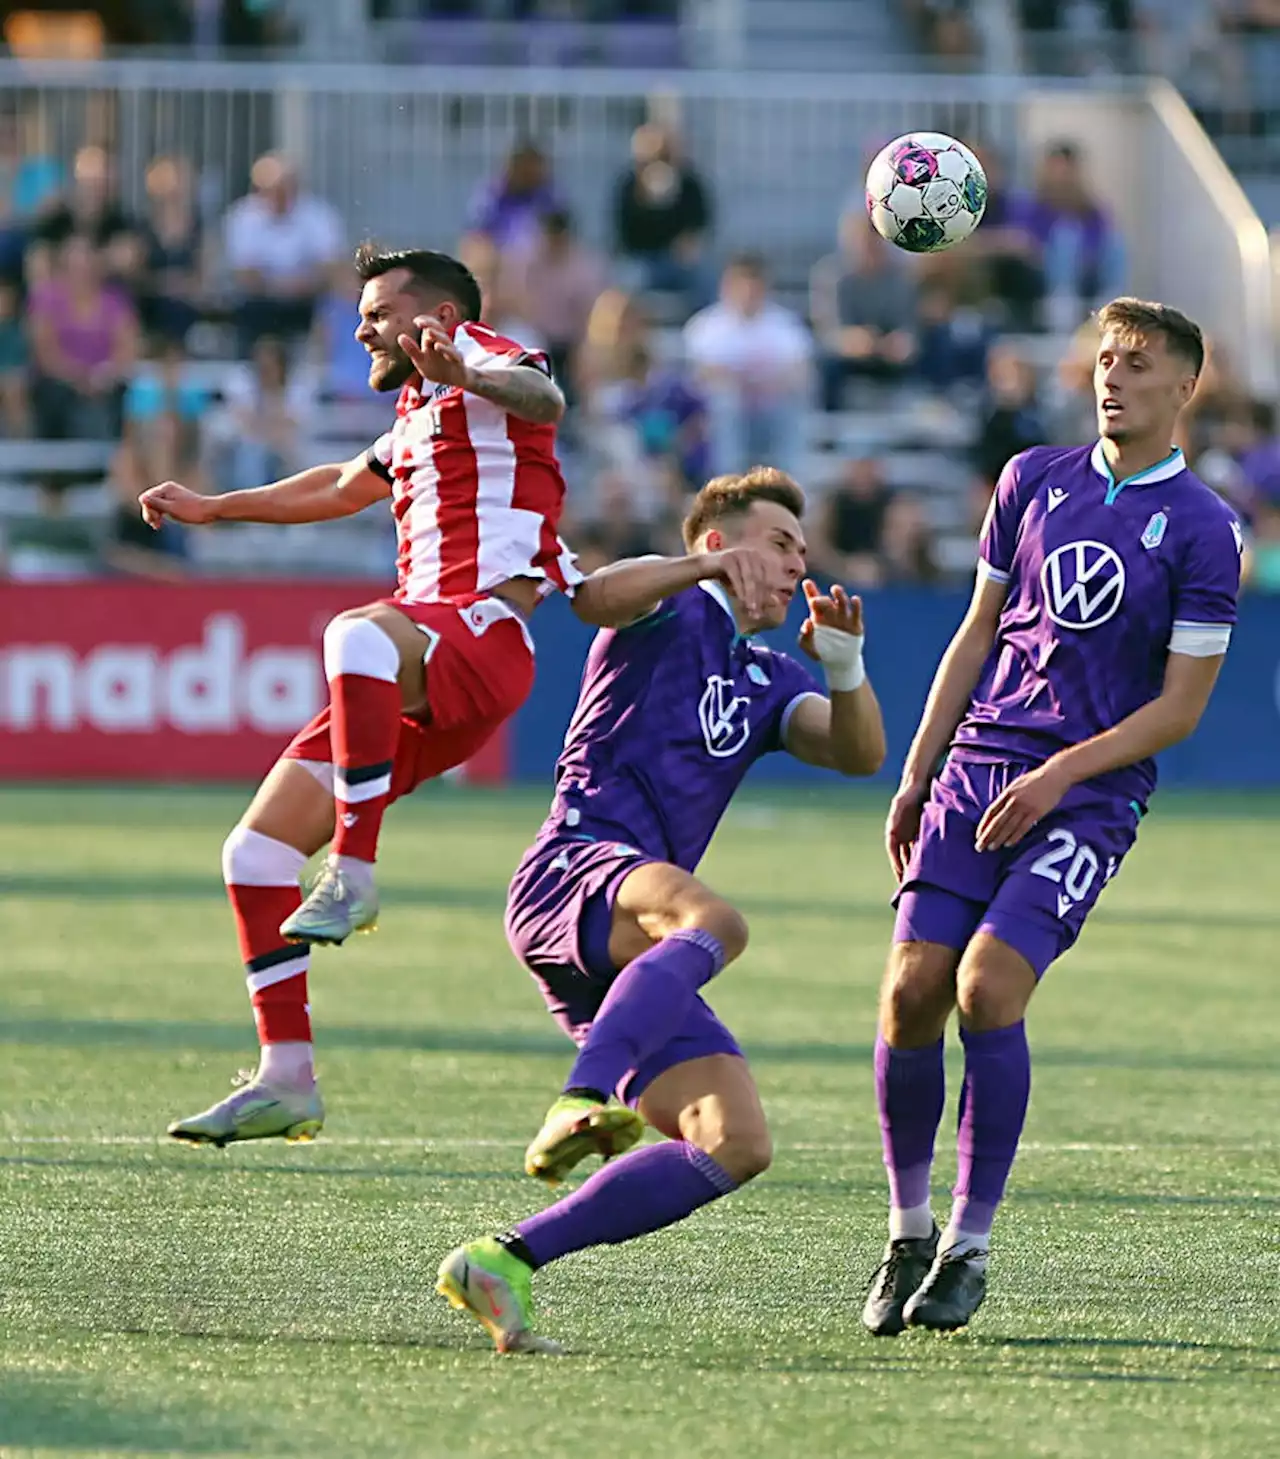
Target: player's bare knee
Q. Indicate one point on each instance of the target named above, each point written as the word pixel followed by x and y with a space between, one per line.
pixel 917 997
pixel 722 920
pixel 743 1148
pixel 987 1001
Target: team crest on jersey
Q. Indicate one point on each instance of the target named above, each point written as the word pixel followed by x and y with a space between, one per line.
pixel 1083 584
pixel 757 675
pixel 723 717
pixel 1153 532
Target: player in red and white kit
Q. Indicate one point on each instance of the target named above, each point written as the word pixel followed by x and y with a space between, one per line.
pixel 417 682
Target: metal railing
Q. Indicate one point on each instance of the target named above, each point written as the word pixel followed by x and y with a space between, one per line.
pixel 400 150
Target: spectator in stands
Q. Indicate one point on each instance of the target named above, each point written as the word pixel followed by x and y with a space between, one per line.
pixel 344 361
pixel 15 356
pixel 92 210
pixel 661 220
pixel 500 305
pixel 173 283
pixel 906 543
pixel 862 301
pixel 555 284
pixel 1081 252
pixel 280 244
pixel 84 344
pixel 952 342
pixel 163 408
pixel 752 361
pixel 509 208
pixel 1013 420
pixel 850 529
pixel 266 416
pixel 1007 249
pixel 31 181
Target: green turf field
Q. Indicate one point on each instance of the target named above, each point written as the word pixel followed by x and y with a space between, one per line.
pixel 276 1300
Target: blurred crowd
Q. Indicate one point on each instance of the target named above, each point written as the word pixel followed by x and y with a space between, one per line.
pixel 681 359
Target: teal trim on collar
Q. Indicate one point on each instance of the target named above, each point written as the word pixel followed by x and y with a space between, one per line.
pixel 714 590
pixel 1173 465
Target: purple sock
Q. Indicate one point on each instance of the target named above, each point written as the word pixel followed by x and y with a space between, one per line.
pixel 645 1007
pixel 644 1191
pixel 910 1090
pixel 993 1109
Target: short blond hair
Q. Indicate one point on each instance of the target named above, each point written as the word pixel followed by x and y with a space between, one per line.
pixel 727 497
pixel 1182 336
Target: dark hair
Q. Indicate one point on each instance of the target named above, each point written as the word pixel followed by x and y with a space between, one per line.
pixel 727 497
pixel 748 262
pixel 1182 336
pixel 431 272
pixel 558 221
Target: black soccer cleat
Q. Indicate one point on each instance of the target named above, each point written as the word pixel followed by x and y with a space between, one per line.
pixel 906 1264
pixel 951 1292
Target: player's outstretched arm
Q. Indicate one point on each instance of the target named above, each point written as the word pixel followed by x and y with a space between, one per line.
pixel 627 591
pixel 846 731
pixel 520 390
pixel 319 494
pixel 1168 718
pixel 953 685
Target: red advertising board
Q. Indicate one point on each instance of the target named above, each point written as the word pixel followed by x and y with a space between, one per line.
pixel 199 681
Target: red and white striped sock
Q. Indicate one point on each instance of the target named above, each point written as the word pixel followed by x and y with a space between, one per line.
pixel 362 666
pixel 262 874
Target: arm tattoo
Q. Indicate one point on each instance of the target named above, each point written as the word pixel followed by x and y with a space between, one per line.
pixel 521 391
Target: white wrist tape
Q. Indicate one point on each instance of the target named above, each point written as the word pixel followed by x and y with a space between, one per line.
pixel 841 656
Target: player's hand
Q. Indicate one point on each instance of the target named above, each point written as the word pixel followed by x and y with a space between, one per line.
pixel 172 499
pixel 434 354
pixel 835 610
pixel 745 571
pixel 902 827
pixel 1019 806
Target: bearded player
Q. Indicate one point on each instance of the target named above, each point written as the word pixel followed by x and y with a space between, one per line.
pixel 1106 595
pixel 418 682
pixel 605 909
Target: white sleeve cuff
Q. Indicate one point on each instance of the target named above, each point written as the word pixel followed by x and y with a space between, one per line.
pixel 992 574
pixel 1199 640
pixel 791 708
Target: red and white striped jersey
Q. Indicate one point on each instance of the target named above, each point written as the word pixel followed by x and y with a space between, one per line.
pixel 476 493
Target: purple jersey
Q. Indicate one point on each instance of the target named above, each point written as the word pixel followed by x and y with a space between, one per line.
pixel 1104 579
pixel 673 712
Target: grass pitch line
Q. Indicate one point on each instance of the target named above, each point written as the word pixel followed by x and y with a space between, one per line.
pixel 408 1142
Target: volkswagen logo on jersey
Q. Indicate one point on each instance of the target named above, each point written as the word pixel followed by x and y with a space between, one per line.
pixel 1083 584
pixel 723 717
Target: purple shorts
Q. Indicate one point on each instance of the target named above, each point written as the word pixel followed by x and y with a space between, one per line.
pixel 559 916
pixel 1033 896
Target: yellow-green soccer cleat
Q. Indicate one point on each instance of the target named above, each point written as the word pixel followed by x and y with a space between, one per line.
pixel 342 900
pixel 256 1111
pixel 483 1278
pixel 576 1127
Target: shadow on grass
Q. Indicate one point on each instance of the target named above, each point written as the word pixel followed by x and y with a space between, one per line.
pixel 58 1411
pixel 148 888
pixel 236 1039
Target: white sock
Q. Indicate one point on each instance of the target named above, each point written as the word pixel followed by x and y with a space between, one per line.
pixel 958 1239
pixel 353 866
pixel 913 1223
pixel 291 1065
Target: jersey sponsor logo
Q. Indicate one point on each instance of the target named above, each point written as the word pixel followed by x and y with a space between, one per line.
pixel 1153 532
pixel 1056 497
pixel 723 717
pixel 1083 584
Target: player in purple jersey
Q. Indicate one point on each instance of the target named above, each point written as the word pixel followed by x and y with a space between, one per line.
pixel 677 703
pixel 1106 594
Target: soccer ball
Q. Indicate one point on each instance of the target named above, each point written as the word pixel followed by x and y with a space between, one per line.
pixel 926 192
